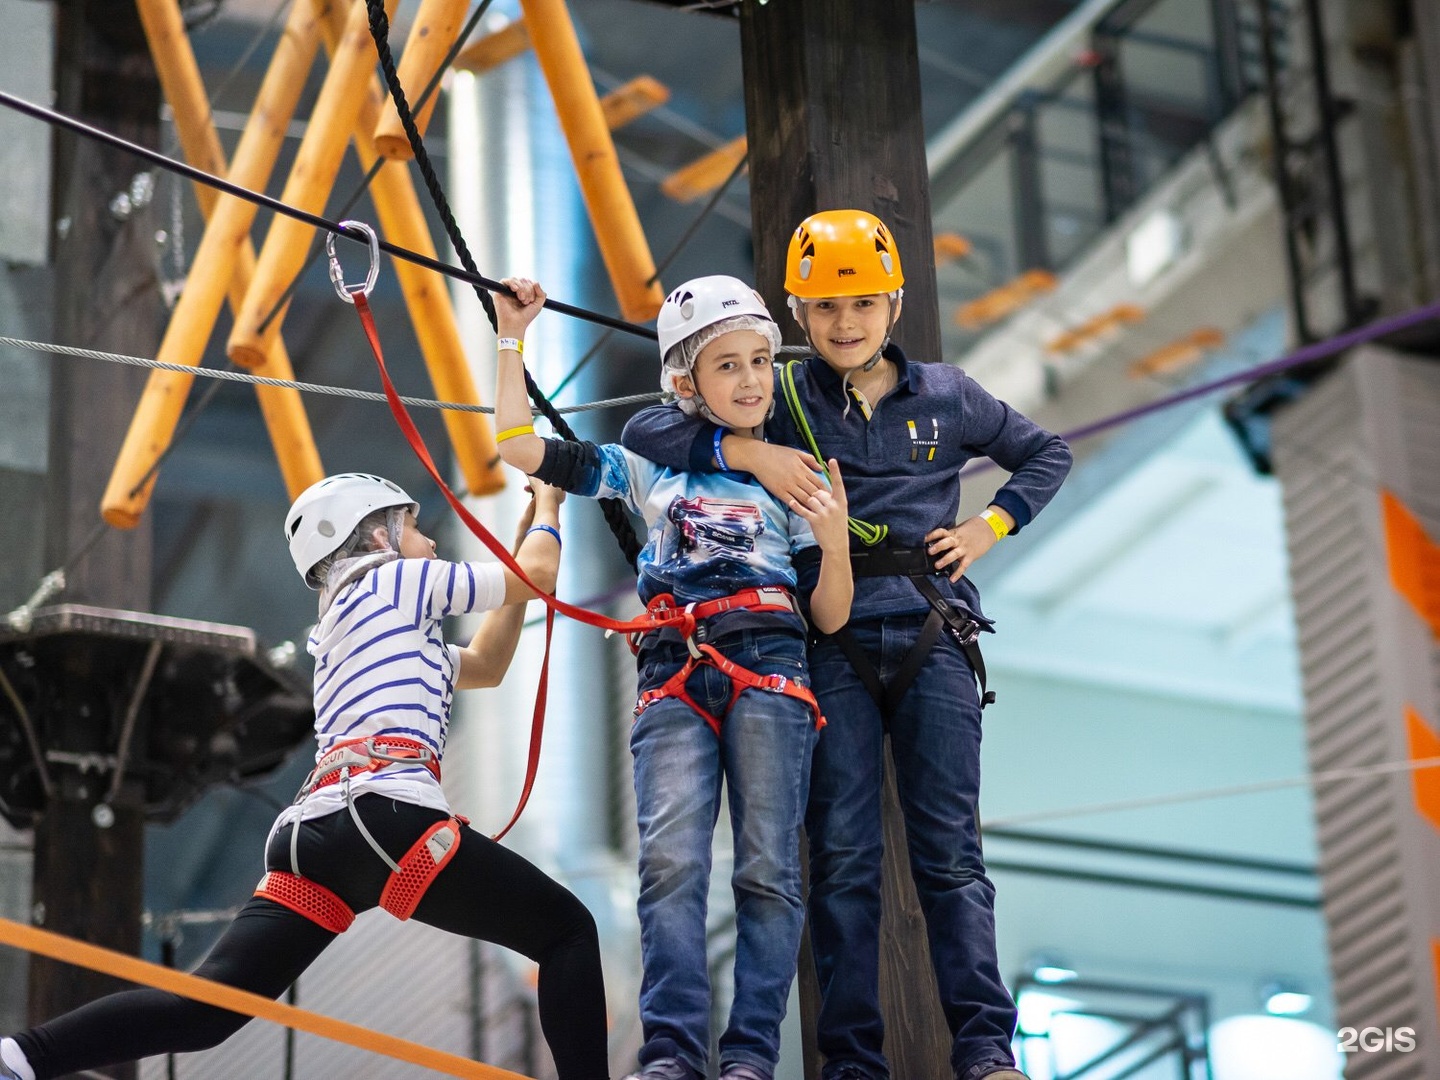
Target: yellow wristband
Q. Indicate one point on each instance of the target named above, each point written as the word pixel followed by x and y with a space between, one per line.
pixel 511 343
pixel 996 523
pixel 510 433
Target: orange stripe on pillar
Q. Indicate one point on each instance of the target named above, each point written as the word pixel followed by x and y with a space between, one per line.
pixel 1423 743
pixel 1414 560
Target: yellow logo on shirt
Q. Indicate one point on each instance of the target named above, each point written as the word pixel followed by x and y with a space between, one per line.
pixel 925 446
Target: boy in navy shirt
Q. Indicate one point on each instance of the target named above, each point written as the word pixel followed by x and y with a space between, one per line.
pixel 901 431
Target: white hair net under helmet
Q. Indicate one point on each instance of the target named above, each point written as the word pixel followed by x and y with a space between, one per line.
pixel 325 520
pixel 697 313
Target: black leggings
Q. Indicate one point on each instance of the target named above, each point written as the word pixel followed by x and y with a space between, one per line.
pixel 486 891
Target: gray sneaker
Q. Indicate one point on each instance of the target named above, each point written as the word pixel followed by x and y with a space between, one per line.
pixel 667 1068
pixel 741 1071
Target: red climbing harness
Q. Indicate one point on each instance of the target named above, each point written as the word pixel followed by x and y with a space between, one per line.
pixel 687 619
pixel 305 897
pixel 368 755
pixel 409 878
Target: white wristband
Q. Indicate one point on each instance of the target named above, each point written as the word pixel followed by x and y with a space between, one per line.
pixel 515 344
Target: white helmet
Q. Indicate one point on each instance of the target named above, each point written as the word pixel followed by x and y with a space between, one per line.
pixel 327 512
pixel 718 304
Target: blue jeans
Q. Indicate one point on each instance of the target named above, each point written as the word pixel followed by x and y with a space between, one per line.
pixel 763 754
pixel 935 741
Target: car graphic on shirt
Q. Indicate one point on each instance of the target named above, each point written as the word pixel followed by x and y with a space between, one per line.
pixel 716 528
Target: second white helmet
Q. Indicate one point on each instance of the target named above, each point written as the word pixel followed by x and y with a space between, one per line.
pixel 706 304
pixel 324 515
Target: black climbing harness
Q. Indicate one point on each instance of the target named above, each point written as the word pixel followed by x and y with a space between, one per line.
pixel 944 616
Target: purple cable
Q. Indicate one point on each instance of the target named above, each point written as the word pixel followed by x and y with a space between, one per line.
pixel 1318 350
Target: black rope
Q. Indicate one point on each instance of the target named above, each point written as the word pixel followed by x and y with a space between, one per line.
pixel 688 235
pixel 614 510
pixel 380 161
pixel 200 176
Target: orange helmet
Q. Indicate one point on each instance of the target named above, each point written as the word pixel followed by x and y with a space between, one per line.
pixel 842 253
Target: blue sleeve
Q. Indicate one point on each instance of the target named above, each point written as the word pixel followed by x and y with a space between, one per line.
pixel 602 471
pixel 1037 460
pixel 665 435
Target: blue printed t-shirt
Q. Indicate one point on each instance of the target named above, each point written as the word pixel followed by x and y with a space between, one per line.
pixel 710 534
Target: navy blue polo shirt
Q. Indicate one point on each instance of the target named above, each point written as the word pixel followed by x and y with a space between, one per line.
pixel 901 463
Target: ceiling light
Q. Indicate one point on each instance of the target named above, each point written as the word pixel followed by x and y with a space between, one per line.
pixel 1283 999
pixel 1152 246
pixel 1048 969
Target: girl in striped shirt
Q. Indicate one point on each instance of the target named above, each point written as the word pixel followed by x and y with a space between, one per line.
pixel 372 826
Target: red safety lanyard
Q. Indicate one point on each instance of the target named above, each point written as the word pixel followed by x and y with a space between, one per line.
pixel 681 619
pixel 678 618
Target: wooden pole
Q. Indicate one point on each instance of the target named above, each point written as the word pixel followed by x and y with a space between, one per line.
pixel 436 26
pixel 282 257
pixel 87 879
pixel 623 246
pixel 282 408
pixel 426 296
pixel 227 236
pixel 832 107
pixel 833 119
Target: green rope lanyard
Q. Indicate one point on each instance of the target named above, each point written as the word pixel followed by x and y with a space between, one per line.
pixel 868 533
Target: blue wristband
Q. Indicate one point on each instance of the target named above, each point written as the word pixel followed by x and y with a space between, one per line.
pixel 719 455
pixel 546 528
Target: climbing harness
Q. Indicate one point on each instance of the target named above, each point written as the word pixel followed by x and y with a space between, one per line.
pixel 963 627
pixel 409 877
pixel 693 629
pixel 883 561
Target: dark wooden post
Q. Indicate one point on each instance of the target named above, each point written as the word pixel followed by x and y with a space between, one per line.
pixel 832 104
pixel 832 108
pixel 87 878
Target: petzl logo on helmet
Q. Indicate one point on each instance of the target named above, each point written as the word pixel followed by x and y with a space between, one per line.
pixel 730 303
pixel 846 271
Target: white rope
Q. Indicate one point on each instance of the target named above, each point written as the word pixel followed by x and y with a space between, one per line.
pixel 1331 776
pixel 305 387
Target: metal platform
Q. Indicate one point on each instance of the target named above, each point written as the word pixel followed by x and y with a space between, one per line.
pixel 141 710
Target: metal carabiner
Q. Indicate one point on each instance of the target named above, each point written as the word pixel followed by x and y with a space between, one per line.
pixel 337 275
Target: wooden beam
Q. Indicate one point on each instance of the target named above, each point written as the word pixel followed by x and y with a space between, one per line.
pixel 704 175
pixel 226 235
pixel 623 246
pixel 1004 300
pixel 494 49
pixel 426 293
pixel 282 407
pixel 628 103
pixel 1093 328
pixel 1178 354
pixel 436 26
pixel 282 257
pixel 949 247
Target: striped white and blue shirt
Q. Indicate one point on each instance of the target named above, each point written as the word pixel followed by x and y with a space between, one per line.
pixel 383 668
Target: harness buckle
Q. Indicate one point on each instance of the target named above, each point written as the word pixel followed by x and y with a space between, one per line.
pixel 966 631
pixel 695 635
